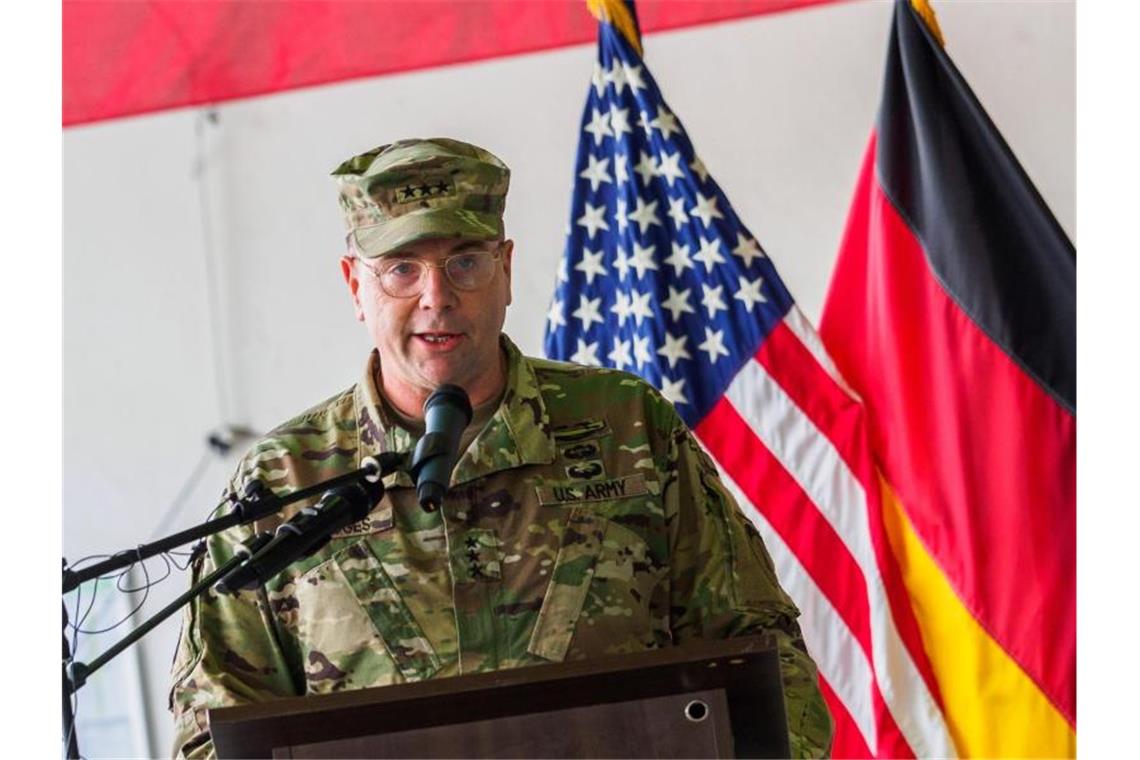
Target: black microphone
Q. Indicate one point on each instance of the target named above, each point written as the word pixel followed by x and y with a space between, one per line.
pixel 303 534
pixel 447 413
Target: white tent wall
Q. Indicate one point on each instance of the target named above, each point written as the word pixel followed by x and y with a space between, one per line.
pixel 201 280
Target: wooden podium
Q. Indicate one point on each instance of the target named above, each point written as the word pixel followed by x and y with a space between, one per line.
pixel 706 699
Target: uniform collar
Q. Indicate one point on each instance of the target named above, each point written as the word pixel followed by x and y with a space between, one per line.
pixel 517 434
pixel 376 431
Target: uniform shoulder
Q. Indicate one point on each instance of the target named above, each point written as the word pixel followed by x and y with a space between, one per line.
pixel 598 390
pixel 318 443
pixel 577 375
pixel 326 415
pixel 329 426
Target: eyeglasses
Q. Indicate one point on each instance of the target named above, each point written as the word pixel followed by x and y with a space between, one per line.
pixel 405 277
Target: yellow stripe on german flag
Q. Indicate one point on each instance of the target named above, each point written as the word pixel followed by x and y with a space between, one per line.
pixel 993 709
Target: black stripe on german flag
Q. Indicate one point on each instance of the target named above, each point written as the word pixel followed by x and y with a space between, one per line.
pixel 988 236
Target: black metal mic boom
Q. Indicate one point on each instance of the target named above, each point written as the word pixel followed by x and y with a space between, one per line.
pixel 303 534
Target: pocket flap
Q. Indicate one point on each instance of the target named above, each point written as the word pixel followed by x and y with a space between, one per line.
pixel 569 583
pixel 377 594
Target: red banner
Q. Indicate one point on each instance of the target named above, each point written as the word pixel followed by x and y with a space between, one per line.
pixel 127 58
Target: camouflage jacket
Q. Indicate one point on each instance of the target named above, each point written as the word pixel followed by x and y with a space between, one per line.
pixel 583 520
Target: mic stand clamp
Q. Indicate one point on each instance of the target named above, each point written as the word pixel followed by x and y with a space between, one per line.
pixel 304 534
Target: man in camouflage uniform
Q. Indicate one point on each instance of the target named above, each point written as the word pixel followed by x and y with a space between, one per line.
pixel 583 518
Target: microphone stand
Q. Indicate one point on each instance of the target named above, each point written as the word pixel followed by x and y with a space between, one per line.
pixel 256 502
pixel 78 672
pixel 70 740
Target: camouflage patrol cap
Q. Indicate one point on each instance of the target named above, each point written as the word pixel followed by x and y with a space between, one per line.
pixel 419 189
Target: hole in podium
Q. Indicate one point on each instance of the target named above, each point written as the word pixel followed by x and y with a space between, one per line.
pixel 696 711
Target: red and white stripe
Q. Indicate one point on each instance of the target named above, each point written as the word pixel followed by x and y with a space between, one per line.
pixel 789 438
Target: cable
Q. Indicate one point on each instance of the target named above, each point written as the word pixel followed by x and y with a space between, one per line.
pixel 147 583
pixel 218 442
pixel 77 626
pixel 146 586
pixel 189 559
pixel 75 565
pixel 72 621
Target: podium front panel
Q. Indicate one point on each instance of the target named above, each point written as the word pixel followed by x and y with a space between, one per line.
pixel 694 724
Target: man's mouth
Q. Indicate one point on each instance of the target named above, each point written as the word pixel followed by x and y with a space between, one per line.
pixel 439 339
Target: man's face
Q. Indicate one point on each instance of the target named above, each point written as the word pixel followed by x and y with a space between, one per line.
pixel 440 335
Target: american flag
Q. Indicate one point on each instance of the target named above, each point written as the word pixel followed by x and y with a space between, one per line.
pixel 660 277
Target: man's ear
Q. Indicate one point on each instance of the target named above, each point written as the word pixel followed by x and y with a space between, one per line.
pixel 508 251
pixel 348 269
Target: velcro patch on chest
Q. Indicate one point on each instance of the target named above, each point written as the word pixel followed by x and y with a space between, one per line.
pixel 376 521
pixel 582 430
pixel 586 470
pixel 576 452
pixel 597 490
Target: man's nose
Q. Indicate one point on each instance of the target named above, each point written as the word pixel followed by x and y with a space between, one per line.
pixel 438 293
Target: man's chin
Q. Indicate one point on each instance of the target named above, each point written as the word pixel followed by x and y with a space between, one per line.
pixel 437 370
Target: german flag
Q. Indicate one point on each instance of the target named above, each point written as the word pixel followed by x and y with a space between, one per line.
pixel 952 311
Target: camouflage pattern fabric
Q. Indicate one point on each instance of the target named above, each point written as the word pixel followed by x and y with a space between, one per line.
pixel 583 520
pixel 418 189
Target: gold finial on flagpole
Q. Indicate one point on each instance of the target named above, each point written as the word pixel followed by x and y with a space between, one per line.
pixel 926 11
pixel 616 13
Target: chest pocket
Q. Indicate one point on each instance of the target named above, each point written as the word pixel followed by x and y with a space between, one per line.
pixel 356 627
pixel 605 593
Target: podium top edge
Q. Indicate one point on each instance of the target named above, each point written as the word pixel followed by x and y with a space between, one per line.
pixel 455 686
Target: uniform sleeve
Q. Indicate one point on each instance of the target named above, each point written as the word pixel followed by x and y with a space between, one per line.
pixel 723 584
pixel 229 652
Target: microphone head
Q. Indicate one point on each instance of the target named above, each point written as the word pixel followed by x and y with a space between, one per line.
pixel 450 396
pixel 447 412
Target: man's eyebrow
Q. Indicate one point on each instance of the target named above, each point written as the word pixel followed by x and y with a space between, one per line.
pixel 469 245
pixel 461 247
